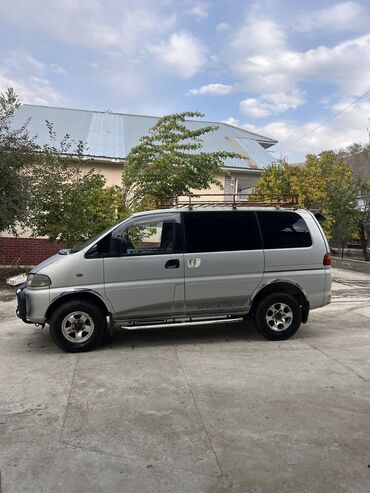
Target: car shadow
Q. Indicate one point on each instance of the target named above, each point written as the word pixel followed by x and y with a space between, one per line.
pixel 40 341
pixel 180 336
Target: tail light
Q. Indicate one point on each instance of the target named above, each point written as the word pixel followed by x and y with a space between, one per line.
pixel 327 259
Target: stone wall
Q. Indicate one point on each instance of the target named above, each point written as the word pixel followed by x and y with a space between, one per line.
pixel 349 264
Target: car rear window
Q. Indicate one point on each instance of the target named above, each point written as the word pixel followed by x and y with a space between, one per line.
pixel 282 229
pixel 221 231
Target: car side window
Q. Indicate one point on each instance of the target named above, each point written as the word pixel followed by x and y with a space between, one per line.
pixel 221 231
pixel 282 229
pixel 149 238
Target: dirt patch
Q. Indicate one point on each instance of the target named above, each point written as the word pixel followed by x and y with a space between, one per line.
pixel 7 295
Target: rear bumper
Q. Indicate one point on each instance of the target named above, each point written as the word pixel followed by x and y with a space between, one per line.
pixel 328 283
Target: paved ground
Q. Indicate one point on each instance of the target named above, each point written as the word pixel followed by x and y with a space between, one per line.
pixel 194 410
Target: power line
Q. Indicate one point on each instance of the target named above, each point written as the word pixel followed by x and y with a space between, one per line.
pixel 324 122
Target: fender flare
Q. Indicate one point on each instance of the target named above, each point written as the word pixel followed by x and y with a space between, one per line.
pixel 74 293
pixel 305 306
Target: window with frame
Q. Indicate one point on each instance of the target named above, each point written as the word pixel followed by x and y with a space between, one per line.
pixel 150 238
pixel 283 229
pixel 220 231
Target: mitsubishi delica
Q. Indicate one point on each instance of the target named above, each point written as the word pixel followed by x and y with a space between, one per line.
pixel 184 266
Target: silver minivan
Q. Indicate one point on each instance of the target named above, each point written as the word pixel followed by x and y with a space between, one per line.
pixel 180 267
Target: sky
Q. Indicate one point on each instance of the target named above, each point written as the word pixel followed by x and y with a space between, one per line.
pixel 279 68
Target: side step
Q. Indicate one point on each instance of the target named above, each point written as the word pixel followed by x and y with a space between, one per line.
pixel 179 324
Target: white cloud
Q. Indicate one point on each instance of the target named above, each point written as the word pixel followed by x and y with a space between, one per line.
pixel 194 8
pixel 282 101
pixel 231 121
pixel 343 16
pixel 200 12
pixel 143 25
pixel 111 26
pixel 254 108
pixel 346 65
pixel 222 27
pixel 183 53
pixel 33 90
pixel 23 62
pixel 259 36
pixel 26 75
pixel 57 69
pixel 269 67
pixel 119 37
pixel 213 89
pixel 270 104
pixel 345 129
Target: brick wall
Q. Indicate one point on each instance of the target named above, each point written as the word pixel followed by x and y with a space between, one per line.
pixel 26 251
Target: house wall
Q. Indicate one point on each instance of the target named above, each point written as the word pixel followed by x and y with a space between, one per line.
pixel 244 179
pixel 113 174
pixel 111 170
pixel 214 190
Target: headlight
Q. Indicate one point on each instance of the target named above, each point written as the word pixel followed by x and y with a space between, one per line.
pixel 38 281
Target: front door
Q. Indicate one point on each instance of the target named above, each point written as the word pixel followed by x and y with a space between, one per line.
pixel 147 280
pixel 224 261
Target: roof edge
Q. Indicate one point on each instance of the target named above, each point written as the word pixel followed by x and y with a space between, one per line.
pixel 263 138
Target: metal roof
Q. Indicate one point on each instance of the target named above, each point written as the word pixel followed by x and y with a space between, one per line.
pixel 111 136
pixel 255 151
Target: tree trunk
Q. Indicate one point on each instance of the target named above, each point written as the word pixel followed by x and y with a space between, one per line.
pixel 363 240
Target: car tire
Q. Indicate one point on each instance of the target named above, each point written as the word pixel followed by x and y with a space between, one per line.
pixel 77 326
pixel 278 316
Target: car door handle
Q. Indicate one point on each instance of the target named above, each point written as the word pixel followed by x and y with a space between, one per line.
pixel 174 263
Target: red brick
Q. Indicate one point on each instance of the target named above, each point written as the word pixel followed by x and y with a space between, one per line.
pixel 26 251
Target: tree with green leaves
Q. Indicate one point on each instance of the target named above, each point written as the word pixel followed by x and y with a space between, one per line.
pixel 69 203
pixel 168 162
pixel 363 208
pixel 17 157
pixel 324 183
pixel 278 178
pixel 343 208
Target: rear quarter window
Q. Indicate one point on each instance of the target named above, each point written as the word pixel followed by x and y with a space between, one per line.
pixel 221 231
pixel 283 229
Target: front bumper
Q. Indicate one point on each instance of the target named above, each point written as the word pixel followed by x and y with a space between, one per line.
pixel 32 304
pixel 21 309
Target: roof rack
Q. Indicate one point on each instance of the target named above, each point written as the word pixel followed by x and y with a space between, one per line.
pixel 232 200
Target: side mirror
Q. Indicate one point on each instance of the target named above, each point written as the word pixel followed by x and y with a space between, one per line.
pixel 117 246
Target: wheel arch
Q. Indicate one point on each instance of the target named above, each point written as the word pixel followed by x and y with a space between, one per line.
pixel 282 286
pixel 84 295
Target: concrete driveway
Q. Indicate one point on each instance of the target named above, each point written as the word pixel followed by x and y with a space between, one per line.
pixel 193 410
